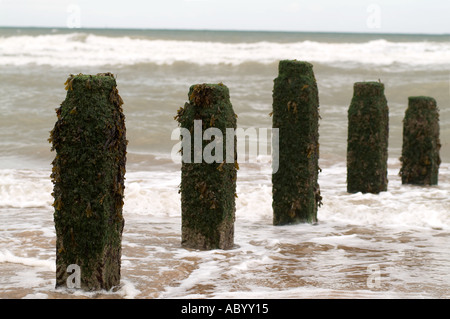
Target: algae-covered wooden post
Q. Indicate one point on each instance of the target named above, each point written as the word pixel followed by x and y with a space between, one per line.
pixel 88 176
pixel 420 152
pixel 367 144
pixel 209 168
pixel 295 188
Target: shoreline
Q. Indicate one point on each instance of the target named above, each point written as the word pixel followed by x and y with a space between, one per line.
pixel 397 230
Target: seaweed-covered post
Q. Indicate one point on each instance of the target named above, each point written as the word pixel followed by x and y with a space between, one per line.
pixel 295 188
pixel 420 152
pixel 367 144
pixel 88 176
pixel 209 168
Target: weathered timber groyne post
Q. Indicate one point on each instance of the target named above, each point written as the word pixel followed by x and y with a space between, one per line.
pixel 367 144
pixel 209 168
pixel 295 188
pixel 420 152
pixel 88 176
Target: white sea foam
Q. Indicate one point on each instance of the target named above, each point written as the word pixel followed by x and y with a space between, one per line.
pixel 391 230
pixel 401 205
pixel 155 193
pixel 38 295
pixel 84 49
pixel 7 257
pixel 25 188
pixel 128 290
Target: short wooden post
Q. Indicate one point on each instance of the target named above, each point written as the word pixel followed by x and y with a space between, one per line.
pixel 88 177
pixel 368 133
pixel 420 152
pixel 208 181
pixel 296 194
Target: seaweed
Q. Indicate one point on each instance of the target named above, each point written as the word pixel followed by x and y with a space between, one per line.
pixel 296 192
pixel 208 190
pixel 420 150
pixel 89 138
pixel 367 141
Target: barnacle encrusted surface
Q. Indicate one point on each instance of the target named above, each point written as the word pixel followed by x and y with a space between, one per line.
pixel 88 174
pixel 296 194
pixel 367 141
pixel 208 190
pixel 420 152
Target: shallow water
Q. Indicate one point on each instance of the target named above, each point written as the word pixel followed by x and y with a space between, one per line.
pixel 391 245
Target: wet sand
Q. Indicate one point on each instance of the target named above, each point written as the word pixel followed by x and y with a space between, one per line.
pixel 391 245
pixel 339 265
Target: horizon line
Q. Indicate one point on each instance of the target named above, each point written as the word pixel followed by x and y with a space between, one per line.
pixel 220 30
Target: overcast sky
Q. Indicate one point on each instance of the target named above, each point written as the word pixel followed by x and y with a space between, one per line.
pixel 382 16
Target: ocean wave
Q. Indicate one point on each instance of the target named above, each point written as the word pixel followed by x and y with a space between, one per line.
pixel 7 256
pixel 85 49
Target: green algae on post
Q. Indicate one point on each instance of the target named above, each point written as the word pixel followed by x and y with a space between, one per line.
pixel 88 174
pixel 208 188
pixel 367 143
pixel 296 194
pixel 420 151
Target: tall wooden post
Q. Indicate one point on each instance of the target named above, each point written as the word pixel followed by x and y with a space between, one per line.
pixel 88 177
pixel 296 194
pixel 208 181
pixel 368 133
pixel 420 152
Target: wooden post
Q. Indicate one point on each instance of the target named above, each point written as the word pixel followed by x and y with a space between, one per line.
pixel 368 132
pixel 420 152
pixel 208 185
pixel 296 194
pixel 88 176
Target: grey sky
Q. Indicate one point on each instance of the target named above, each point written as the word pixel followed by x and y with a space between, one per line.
pixel 398 16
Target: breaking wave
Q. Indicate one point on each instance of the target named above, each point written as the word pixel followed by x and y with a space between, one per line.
pixel 86 49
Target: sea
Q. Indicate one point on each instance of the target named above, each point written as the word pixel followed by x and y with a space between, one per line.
pixel 395 244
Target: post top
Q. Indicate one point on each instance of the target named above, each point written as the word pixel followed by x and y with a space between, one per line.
pixel 88 81
pixel 421 103
pixel 205 94
pixel 219 86
pixel 368 88
pixel 424 99
pixel 295 66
